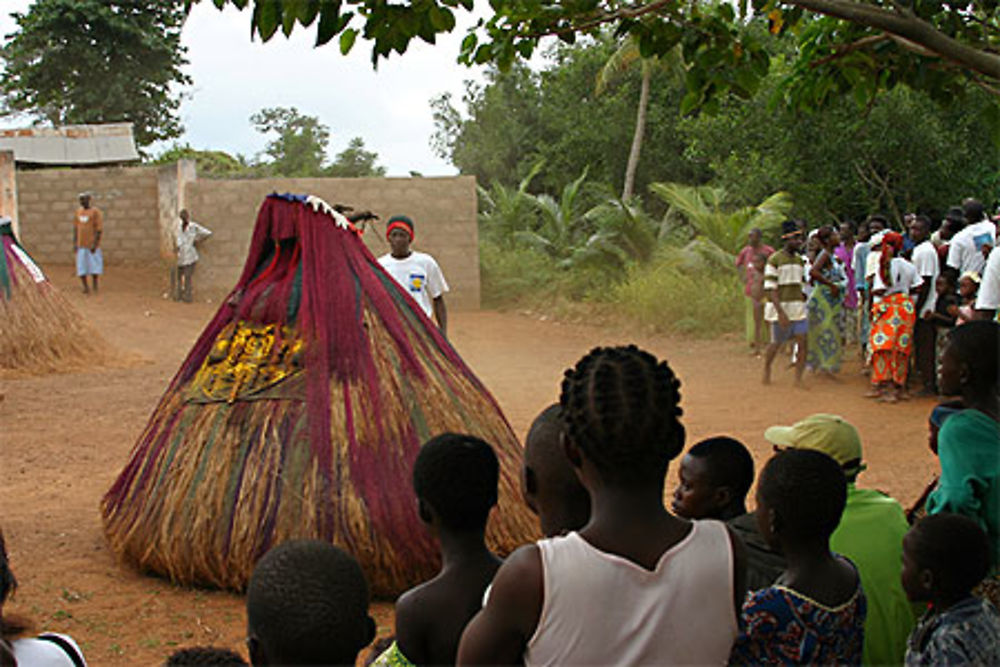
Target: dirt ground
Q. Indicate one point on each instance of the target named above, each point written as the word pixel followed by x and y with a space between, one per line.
pixel 64 438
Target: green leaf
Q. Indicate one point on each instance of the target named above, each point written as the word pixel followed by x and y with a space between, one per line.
pixel 267 16
pixel 329 22
pixel 289 15
pixel 441 18
pixel 469 45
pixel 347 40
pixel 308 11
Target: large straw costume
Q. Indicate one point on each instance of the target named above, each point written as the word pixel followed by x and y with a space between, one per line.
pixel 40 331
pixel 299 413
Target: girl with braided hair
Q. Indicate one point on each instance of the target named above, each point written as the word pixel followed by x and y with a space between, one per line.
pixel 635 585
pixel 893 317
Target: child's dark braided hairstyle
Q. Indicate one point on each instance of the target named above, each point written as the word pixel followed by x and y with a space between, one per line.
pixel 622 408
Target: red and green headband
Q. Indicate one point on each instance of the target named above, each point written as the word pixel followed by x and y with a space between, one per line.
pixel 400 222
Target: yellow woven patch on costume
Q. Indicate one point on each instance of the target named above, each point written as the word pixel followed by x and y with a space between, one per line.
pixel 246 362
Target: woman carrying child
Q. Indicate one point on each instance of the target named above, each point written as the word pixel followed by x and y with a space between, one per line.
pixel 825 305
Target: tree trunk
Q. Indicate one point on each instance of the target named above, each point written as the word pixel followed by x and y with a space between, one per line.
pixel 640 129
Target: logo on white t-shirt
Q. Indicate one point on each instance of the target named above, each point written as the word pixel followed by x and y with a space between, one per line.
pixel 416 282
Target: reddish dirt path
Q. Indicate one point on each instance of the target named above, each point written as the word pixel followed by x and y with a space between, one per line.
pixel 63 439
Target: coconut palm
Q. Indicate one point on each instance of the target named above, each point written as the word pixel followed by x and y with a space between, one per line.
pixel 504 211
pixel 704 208
pixel 622 59
pixel 623 234
pixel 559 229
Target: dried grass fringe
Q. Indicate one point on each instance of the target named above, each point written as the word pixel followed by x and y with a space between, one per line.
pixel 41 332
pixel 218 484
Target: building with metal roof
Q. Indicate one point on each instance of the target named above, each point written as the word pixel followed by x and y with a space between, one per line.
pixel 71 145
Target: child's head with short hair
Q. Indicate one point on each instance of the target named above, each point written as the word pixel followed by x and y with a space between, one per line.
pixel 945 283
pixel 968 284
pixel 944 557
pixel 621 409
pixel 714 478
pixel 455 478
pixel 801 494
pixel 548 482
pixel 307 604
pixel 204 656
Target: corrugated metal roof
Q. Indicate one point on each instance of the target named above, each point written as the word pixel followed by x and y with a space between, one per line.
pixel 71 144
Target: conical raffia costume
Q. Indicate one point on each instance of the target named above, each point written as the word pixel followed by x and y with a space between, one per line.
pixel 299 413
pixel 40 331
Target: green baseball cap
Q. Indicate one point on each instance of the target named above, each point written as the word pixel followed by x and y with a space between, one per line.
pixel 830 434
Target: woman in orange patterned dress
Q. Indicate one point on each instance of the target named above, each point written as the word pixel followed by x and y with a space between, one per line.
pixel 893 317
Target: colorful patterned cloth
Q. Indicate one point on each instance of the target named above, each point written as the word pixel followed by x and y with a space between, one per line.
pixel 891 338
pixel 825 349
pixel 968 633
pixel 782 627
pixel 392 657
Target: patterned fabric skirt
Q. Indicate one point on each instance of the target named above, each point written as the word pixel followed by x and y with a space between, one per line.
pixel 849 324
pixel 891 339
pixel 940 343
pixel 825 350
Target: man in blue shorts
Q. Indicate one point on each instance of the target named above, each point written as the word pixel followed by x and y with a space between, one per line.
pixel 88 223
pixel 785 302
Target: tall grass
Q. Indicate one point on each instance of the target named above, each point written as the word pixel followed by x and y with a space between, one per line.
pixel 676 295
pixel 681 290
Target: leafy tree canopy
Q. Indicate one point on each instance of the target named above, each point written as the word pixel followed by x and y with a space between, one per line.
pixel 354 161
pixel 844 45
pixel 506 125
pixel 98 61
pixel 300 146
pixel 209 163
pixel 299 149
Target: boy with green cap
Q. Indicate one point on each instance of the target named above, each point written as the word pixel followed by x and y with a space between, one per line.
pixel 870 533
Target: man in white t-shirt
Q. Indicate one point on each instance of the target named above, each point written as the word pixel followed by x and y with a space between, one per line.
pixel 988 300
pixel 925 260
pixel 416 272
pixel 966 252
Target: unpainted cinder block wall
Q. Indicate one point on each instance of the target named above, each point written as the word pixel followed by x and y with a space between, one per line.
pixel 137 203
pixel 443 210
pixel 127 196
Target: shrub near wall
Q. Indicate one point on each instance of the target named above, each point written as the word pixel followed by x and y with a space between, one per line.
pixel 679 294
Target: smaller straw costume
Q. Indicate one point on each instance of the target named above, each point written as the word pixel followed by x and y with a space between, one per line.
pixel 298 414
pixel 40 331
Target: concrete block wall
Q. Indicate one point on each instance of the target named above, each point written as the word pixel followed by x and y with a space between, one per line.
pixel 127 196
pixel 443 210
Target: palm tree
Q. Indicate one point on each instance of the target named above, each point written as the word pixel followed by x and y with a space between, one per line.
pixel 704 208
pixel 559 230
pixel 504 211
pixel 622 59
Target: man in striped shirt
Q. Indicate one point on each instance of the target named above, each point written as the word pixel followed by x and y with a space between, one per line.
pixel 785 305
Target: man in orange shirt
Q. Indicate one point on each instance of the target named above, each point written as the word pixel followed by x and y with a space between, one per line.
pixel 88 223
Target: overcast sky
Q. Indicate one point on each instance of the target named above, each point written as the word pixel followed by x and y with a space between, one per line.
pixel 234 77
